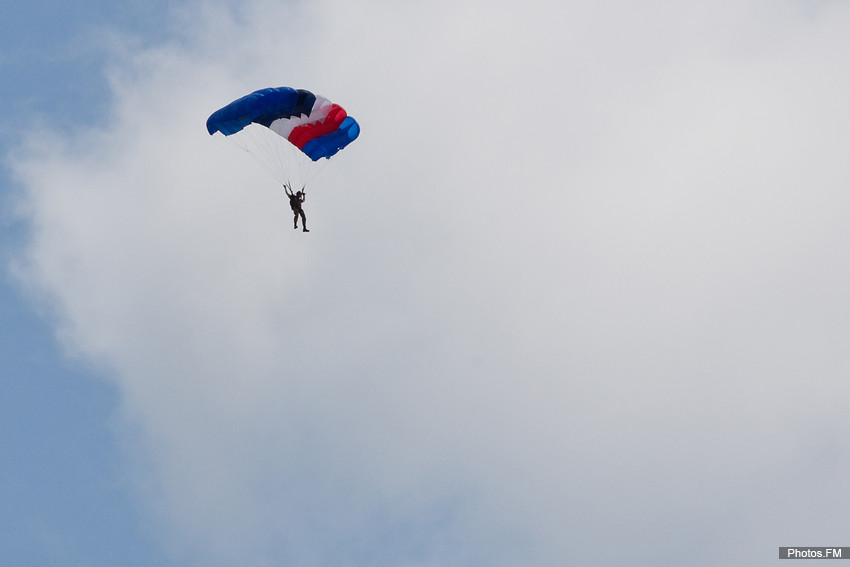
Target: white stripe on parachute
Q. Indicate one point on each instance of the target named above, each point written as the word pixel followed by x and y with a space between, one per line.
pixel 285 126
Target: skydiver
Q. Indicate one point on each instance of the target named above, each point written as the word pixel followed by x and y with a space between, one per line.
pixel 295 201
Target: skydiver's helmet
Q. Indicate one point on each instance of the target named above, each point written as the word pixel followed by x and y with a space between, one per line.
pixel 299 193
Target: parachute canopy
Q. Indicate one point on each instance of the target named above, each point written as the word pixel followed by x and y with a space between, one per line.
pixel 312 123
pixel 288 130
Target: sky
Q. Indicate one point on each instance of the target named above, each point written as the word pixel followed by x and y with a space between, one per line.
pixel 576 296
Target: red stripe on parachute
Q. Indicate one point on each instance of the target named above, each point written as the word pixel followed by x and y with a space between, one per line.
pixel 300 135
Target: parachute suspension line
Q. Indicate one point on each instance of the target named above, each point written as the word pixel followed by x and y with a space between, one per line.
pixel 275 154
pixel 283 161
pixel 312 168
pixel 250 144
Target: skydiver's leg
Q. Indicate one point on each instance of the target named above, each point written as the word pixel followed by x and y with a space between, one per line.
pixel 304 221
pixel 295 218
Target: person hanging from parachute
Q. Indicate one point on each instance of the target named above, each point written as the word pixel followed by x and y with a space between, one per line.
pixel 295 200
pixel 289 131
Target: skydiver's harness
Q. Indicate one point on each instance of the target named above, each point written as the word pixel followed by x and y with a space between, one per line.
pixel 294 203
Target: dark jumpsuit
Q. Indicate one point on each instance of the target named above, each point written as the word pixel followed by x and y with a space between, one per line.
pixel 295 205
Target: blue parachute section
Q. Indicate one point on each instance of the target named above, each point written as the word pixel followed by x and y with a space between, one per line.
pixel 329 144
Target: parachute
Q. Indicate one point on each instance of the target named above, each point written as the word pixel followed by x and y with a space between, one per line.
pixel 291 132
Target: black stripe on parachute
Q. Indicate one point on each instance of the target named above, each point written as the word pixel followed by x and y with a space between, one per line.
pixel 301 106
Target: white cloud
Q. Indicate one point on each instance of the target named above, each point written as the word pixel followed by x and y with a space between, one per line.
pixel 575 295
